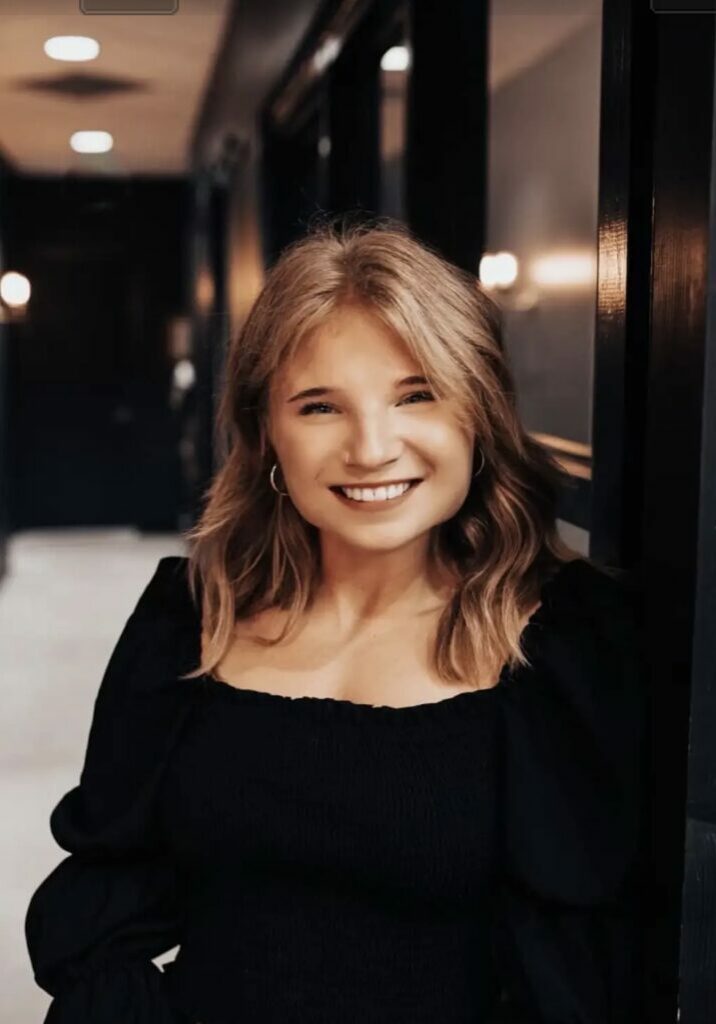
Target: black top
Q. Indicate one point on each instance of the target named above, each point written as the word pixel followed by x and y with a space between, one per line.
pixel 326 862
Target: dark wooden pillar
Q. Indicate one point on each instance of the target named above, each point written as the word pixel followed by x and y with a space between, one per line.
pixel 447 128
pixel 672 478
pixel 354 122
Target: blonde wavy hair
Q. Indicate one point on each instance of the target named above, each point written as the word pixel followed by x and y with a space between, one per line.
pixel 252 550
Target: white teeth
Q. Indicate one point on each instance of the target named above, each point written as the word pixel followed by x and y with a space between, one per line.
pixel 375 493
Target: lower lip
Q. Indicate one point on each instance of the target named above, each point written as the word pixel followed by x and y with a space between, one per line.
pixel 376 506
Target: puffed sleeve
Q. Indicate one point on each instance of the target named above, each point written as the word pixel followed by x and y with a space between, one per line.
pixel 569 905
pixel 97 920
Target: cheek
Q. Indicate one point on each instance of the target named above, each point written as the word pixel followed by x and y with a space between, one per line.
pixel 298 455
pixel 451 452
pixel 441 445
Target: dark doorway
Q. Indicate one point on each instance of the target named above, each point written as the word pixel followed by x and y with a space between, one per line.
pixel 92 437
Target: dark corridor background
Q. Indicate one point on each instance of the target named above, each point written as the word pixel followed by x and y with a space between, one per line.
pixel 92 438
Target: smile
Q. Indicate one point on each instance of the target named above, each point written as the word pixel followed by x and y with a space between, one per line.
pixel 366 500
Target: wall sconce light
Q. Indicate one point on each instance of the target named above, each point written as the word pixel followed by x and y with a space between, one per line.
pixel 498 270
pixel 397 58
pixel 15 290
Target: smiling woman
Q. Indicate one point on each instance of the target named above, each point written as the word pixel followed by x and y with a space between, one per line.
pixel 373 433
pixel 363 757
pixel 413 386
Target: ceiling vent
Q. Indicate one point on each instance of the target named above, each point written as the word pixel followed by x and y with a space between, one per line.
pixel 81 87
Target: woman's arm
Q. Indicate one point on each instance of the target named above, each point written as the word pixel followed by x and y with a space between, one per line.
pixel 97 920
pixel 569 925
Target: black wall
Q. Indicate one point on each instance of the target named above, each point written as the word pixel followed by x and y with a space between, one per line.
pixel 92 440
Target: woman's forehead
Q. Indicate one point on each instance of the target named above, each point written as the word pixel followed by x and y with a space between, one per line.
pixel 345 339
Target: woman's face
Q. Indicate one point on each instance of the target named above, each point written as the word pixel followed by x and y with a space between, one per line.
pixel 365 429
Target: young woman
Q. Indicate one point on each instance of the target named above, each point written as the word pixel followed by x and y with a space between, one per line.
pixel 374 751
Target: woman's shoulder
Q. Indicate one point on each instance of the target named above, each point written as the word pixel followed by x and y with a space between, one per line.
pixel 159 639
pixel 584 645
pixel 167 591
pixel 583 592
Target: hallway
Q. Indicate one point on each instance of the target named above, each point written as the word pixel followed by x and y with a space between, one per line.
pixel 63 603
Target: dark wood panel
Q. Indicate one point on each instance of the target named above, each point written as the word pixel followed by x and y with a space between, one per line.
pixel 447 128
pixel 673 471
pixel 697 998
pixel 354 104
pixel 624 287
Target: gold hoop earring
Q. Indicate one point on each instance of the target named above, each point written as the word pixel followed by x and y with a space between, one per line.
pixel 272 481
pixel 482 466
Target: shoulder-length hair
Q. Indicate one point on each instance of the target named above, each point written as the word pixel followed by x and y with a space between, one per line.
pixel 252 550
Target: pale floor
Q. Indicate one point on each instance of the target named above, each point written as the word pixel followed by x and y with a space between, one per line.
pixel 63 603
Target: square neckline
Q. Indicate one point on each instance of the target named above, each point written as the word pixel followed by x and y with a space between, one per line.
pixel 335 706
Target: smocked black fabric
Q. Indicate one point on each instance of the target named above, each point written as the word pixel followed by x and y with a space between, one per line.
pixel 462 862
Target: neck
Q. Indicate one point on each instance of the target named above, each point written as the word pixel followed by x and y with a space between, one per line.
pixel 374 590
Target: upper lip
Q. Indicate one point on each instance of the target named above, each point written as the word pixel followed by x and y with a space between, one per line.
pixel 381 483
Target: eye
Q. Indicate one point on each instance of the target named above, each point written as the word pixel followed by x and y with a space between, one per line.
pixel 420 394
pixel 307 410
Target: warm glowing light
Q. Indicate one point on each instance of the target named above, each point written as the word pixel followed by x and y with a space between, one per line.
pixel 326 53
pixel 397 58
pixel 565 269
pixel 74 48
pixel 91 142
pixel 205 291
pixel 498 270
pixel 184 374
pixel 14 289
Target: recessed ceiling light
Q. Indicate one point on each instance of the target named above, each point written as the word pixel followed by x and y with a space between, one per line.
pixel 91 142
pixel 71 48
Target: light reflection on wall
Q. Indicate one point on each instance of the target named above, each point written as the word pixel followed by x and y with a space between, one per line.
pixel 500 271
pixel 565 270
pixel 204 290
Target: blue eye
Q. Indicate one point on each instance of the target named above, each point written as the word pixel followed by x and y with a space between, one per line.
pixel 307 410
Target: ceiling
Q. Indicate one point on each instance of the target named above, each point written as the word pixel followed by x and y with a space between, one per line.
pixel 146 87
pixel 525 32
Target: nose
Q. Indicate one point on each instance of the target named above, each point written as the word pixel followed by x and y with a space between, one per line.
pixel 373 441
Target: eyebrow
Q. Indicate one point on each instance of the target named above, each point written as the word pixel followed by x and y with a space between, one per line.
pixel 325 390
